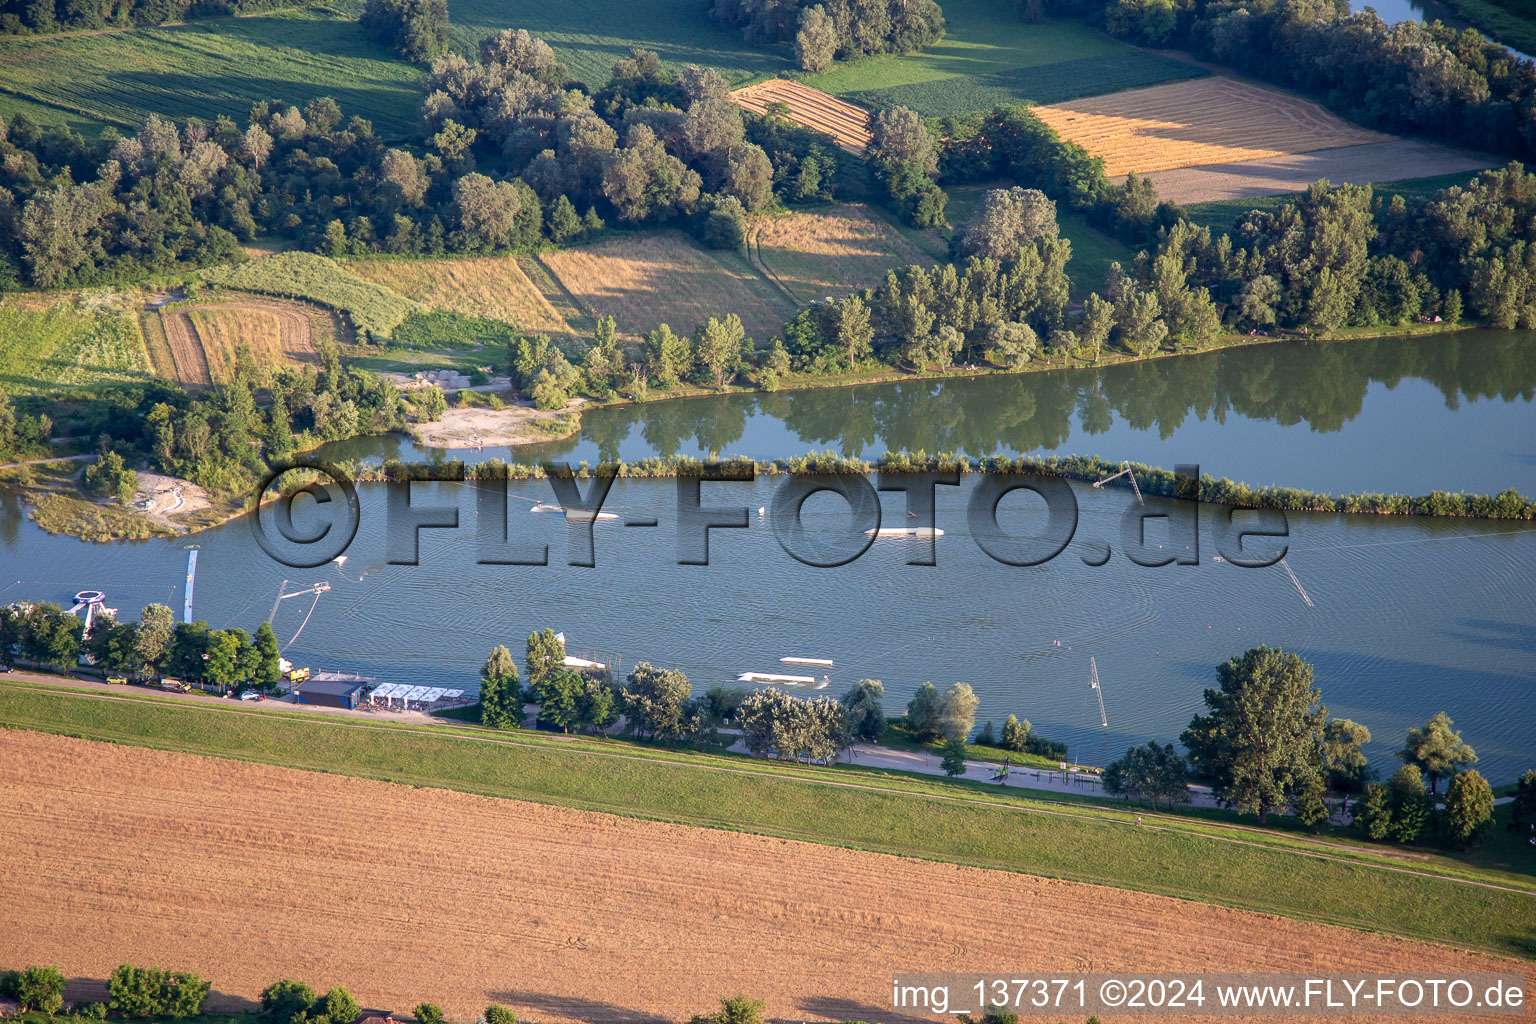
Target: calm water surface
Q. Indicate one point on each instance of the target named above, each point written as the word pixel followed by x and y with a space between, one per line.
pixel 1410 616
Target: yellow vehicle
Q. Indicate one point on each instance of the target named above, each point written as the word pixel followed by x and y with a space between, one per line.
pixel 117 681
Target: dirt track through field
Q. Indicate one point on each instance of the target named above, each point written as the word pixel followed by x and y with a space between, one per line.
pixel 812 108
pixel 247 873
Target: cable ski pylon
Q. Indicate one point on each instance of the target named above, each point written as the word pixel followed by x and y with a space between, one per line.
pixel 1125 471
pixel 282 595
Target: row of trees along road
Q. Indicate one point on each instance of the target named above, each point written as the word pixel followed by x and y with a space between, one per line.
pixel 659 704
pixel 1267 745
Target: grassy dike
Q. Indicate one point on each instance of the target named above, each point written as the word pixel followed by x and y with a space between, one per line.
pixel 861 809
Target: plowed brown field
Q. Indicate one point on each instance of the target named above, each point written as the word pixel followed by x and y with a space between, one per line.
pixel 186 350
pixel 814 109
pixel 247 873
pixel 1215 120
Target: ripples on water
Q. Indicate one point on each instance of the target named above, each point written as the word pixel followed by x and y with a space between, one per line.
pixel 1411 617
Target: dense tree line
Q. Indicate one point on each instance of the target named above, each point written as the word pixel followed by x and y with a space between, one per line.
pixel 1330 258
pixel 22 17
pixel 835 29
pixel 45 634
pixel 659 704
pixel 1425 79
pixel 224 438
pixel 21 434
pixel 652 147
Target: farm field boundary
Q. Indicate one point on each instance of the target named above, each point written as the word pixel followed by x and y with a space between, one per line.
pixel 829 252
pixel 493 287
pixel 1228 865
pixel 604 899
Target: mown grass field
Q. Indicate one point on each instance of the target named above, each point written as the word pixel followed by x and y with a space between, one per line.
pixel 643 280
pixel 494 287
pixel 860 809
pixel 64 348
pixel 989 56
pixel 278 334
pixel 205 68
pixel 830 252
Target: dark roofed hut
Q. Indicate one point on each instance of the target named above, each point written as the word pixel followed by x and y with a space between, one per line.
pixel 343 693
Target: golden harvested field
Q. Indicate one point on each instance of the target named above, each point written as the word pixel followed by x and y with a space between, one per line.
pixel 278 333
pixel 493 287
pixel 829 252
pixel 819 111
pixel 1214 120
pixel 246 873
pixel 645 280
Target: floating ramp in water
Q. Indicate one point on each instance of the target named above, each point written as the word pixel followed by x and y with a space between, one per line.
pixel 573 513
pixel 823 662
pixel 905 531
pixel 782 680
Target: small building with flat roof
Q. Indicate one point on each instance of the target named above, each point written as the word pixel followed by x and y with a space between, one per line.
pixel 330 693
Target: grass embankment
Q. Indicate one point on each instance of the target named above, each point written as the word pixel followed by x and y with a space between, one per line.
pixel 854 808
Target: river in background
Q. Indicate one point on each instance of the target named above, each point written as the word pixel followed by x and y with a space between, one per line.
pixel 1394 11
pixel 1452 412
pixel 1410 616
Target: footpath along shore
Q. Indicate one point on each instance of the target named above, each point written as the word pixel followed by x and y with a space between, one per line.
pixel 868 755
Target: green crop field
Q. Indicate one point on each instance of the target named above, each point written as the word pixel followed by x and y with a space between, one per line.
pixel 989 57
pixel 589 37
pixel 844 807
pixel 218 66
pixel 1222 216
pixel 206 68
pixel 64 349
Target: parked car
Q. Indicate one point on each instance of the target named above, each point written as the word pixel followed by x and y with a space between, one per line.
pixel 251 695
pixel 117 680
pixel 5 668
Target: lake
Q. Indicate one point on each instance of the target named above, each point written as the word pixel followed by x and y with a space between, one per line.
pixel 1409 617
